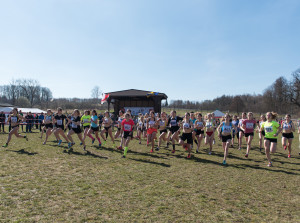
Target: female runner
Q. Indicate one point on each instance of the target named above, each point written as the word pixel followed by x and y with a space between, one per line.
pixel 240 126
pixel 86 123
pixel 173 123
pixel 261 134
pixel 210 130
pixel 249 126
pixel 94 126
pixel 107 123
pixel 187 129
pixel 140 128
pixel 272 129
pixel 58 121
pixel 48 121
pixel 235 132
pixel 199 127
pixel 152 126
pixel 14 119
pixel 127 129
pixel 287 133
pixel 225 130
pixel 75 128
pixel 163 121
pixel 119 131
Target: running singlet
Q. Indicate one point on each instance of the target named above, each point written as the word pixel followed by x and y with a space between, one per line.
pixel 73 119
pixel 249 125
pixel 270 129
pixel 105 121
pixel 151 123
pixel 209 124
pixel 49 118
pixel 193 120
pixel 94 119
pixel 120 120
pixel 199 124
pixel 127 125
pixel 235 122
pixel 186 125
pixel 287 126
pixel 174 121
pixel 60 120
pixel 162 123
pixel 226 128
pixel 86 120
pixel 14 119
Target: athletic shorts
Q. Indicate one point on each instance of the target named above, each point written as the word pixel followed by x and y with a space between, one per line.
pixel 288 135
pixel 225 138
pixel 151 130
pixel 107 128
pixel 174 129
pixel 86 126
pixel 60 127
pixel 209 133
pixel 49 126
pixel 188 137
pixel 271 139
pixel 127 134
pixel 95 129
pixel 77 130
pixel 142 129
pixel 199 132
pixel 161 131
pixel 119 129
pixel 242 131
pixel 249 134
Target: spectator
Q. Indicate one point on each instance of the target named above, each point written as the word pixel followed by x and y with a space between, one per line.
pixel 2 121
pixel 21 113
pixel 40 120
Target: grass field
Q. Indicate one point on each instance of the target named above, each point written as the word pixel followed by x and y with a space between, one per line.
pixel 42 184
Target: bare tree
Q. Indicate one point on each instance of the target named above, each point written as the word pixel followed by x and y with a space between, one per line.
pixel 96 92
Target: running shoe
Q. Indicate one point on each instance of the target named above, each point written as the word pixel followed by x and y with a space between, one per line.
pixel 104 142
pixel 240 148
pixel 59 142
pixel 270 164
pixel 224 162
pixel 173 151
pixel 157 149
pixel 69 145
pixel 289 156
pixel 84 148
pixel 260 149
pixel 151 151
pixel 5 145
pixel 123 156
pixel 26 138
pixel 99 144
pixel 81 143
pixel 93 140
pixel 140 142
pixel 246 155
pixel 189 156
pixel 197 151
pixel 209 153
pixel 285 147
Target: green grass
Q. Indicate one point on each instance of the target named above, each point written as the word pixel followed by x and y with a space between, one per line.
pixel 42 184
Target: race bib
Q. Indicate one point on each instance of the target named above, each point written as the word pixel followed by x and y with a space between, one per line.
pixel 227 129
pixel 127 127
pixel 14 119
pixel 59 122
pixel 162 123
pixel 200 124
pixel 173 123
pixel 85 120
pixel 151 123
pixel 249 125
pixel 269 129
pixel 186 125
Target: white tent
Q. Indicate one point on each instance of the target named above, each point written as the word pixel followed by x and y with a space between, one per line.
pixel 7 110
pixel 218 114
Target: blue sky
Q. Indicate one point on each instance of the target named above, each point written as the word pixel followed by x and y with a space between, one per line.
pixel 190 50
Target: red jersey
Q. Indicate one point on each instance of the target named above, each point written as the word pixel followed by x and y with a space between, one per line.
pixel 127 126
pixel 249 125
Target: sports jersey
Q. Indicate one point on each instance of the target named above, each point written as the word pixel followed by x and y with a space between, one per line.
pixel 60 119
pixel 75 119
pixel 127 125
pixel 86 119
pixel 94 118
pixel 249 125
pixel 270 129
pixel 226 128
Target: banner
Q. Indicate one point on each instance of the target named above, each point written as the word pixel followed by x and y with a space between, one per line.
pixel 137 110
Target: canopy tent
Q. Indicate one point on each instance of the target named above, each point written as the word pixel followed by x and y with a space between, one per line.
pixel 7 110
pixel 218 114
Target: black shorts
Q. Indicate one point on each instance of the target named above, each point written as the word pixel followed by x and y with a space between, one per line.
pixel 95 129
pixel 242 131
pixel 188 137
pixel 49 126
pixel 162 131
pixel 199 132
pixel 60 127
pixel 225 138
pixel 174 129
pixel 107 128
pixel 77 130
pixel 249 134
pixel 271 140
pixel 288 135
pixel 263 132
pixel 87 126
pixel 119 129
pixel 127 134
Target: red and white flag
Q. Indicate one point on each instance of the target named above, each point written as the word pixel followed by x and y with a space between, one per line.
pixel 104 98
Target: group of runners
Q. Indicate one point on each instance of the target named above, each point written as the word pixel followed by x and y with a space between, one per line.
pixel 158 128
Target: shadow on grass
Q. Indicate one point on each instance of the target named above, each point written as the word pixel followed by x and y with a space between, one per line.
pixel 151 162
pixel 22 151
pixel 88 153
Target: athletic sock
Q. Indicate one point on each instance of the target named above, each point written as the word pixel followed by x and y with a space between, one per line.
pixel 196 142
pixel 173 146
pixel 125 151
pixel 91 137
pixel 99 140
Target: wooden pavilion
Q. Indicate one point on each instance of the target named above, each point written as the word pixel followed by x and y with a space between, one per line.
pixel 137 101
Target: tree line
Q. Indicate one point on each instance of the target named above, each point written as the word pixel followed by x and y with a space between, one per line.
pixel 283 96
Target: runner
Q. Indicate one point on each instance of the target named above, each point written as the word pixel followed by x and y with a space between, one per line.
pixel 173 134
pixel 163 121
pixel 235 131
pixel 287 133
pixel 48 121
pixel 58 121
pixel 140 127
pixel 152 126
pixel 199 130
pixel 249 126
pixel 272 129
pixel 107 123
pixel 225 130
pixel 94 126
pixel 75 128
pixel 262 133
pixel 240 126
pixel 210 130
pixel 127 129
pixel 15 120
pixel 187 129
pixel 119 131
pixel 86 123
